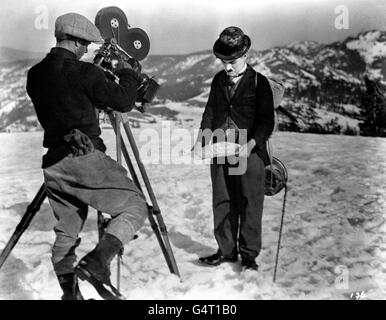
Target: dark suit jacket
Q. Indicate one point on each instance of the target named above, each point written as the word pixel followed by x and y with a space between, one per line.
pixel 65 92
pixel 250 108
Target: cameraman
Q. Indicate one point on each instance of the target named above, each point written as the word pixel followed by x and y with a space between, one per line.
pixel 77 172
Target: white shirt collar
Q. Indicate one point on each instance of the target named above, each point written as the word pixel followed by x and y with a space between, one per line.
pixel 235 79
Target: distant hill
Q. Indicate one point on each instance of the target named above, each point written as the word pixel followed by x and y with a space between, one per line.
pixel 324 82
pixel 10 55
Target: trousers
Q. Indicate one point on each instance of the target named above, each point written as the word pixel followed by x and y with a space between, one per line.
pixel 238 207
pixel 95 180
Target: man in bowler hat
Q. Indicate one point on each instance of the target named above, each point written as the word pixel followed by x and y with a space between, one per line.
pixel 240 99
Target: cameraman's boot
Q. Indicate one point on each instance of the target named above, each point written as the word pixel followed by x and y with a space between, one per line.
pixel 69 284
pixel 95 266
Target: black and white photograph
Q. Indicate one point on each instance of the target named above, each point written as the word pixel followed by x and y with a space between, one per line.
pixel 193 150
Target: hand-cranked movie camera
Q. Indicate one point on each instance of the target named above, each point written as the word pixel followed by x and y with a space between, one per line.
pixel 124 43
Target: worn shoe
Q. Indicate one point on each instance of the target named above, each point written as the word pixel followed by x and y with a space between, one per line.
pixel 217 259
pixel 249 264
pixel 95 267
pixel 69 284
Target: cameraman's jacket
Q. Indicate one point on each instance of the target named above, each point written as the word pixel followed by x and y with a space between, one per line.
pixel 65 92
pixel 251 108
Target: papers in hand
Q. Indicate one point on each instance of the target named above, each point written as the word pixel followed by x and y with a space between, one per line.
pixel 220 149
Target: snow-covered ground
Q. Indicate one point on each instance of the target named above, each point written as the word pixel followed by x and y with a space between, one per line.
pixel 334 227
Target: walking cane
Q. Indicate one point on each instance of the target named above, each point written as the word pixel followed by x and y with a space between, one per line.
pixel 278 177
pixel 280 231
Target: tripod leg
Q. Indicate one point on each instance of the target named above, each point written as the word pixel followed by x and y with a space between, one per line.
pixel 32 209
pixel 169 257
pixel 280 232
pixel 118 142
pixel 121 147
pixel 162 236
pixel 164 243
pixel 101 224
pixel 125 153
pixel 118 139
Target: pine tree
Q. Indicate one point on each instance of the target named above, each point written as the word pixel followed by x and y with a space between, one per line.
pixel 373 110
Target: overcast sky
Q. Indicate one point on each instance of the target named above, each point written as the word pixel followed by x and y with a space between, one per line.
pixel 184 26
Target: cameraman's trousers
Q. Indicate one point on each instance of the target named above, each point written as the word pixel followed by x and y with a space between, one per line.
pixel 238 207
pixel 95 180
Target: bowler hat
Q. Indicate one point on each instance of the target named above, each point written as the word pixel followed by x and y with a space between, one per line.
pixel 75 25
pixel 231 44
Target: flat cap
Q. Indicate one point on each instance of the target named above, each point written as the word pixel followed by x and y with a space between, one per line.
pixel 76 25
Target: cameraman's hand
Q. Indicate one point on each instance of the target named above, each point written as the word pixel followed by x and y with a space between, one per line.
pixel 122 65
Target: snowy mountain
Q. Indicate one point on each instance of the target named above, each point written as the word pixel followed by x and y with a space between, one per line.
pixel 323 83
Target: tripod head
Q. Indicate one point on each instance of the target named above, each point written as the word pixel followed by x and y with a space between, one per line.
pixel 123 43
